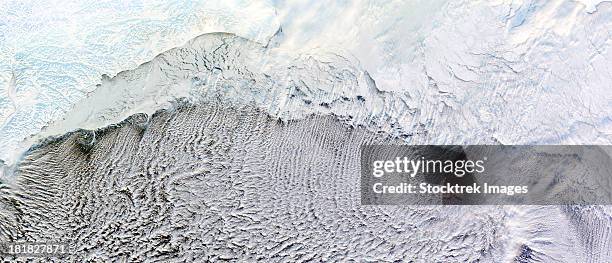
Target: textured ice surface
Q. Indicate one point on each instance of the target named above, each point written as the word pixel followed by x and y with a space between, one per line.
pixel 215 182
pixel 477 71
pixel 52 53
pixel 213 178
pixel 520 71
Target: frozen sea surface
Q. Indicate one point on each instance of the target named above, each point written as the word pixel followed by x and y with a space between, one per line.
pixel 511 72
pixel 262 93
pixel 53 53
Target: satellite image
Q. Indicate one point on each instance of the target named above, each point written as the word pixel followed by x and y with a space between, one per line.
pixel 306 131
